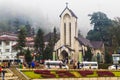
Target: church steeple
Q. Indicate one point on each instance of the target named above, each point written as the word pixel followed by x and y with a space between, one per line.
pixel 68 30
pixel 71 12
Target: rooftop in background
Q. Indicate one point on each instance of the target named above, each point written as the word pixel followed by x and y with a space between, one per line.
pixel 8 37
pixel 8 33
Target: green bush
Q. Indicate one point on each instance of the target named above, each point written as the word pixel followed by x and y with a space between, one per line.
pixel 103 66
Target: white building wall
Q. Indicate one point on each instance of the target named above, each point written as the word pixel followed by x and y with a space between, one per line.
pixel 10 54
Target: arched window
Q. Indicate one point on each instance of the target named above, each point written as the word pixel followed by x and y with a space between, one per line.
pixel 66 17
pixel 64 33
pixel 70 32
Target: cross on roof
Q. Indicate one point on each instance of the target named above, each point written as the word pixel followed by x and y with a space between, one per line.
pixel 66 4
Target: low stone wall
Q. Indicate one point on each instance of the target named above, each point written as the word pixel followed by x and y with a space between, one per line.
pixel 97 78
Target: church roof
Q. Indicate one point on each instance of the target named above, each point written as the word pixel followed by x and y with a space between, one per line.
pixel 50 35
pixel 93 44
pixel 72 13
pixel 97 44
pixel 84 41
pixel 66 46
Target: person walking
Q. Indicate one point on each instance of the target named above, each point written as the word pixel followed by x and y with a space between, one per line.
pixel 78 64
pixel 60 65
pixel 9 63
pixel 33 64
pixel 3 74
pixel 29 65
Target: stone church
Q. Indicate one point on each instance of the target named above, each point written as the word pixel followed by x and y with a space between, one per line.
pixel 70 46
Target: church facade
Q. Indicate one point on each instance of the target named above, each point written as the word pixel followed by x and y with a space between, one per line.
pixel 70 46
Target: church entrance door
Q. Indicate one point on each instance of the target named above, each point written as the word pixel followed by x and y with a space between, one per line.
pixel 64 55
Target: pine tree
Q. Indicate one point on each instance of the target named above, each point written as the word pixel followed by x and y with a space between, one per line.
pixel 47 53
pixel 21 39
pixel 49 49
pixel 108 57
pixel 39 42
pixel 88 54
pixel 28 57
pixel 28 29
pixel 55 35
pixel 16 24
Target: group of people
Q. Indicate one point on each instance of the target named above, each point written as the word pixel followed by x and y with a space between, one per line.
pixel 76 65
pixel 29 65
pixel 6 64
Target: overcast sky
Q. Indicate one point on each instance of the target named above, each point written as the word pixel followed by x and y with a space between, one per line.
pixel 49 10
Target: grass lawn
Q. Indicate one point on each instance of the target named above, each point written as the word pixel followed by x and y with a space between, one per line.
pixel 116 73
pixel 31 74
pixel 67 74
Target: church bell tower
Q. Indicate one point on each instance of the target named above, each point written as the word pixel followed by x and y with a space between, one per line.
pixel 68 27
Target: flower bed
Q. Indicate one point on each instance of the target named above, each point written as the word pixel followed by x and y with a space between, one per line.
pixel 73 73
pixel 84 73
pixel 45 73
pixel 64 74
pixel 41 71
pixel 48 74
pixel 105 73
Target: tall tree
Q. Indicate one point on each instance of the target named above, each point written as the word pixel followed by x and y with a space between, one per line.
pixel 114 31
pixel 88 54
pixel 28 29
pixel 21 39
pixel 47 53
pixel 32 31
pixel 28 56
pixel 101 24
pixel 49 48
pixel 108 57
pixel 16 24
pixel 55 35
pixel 39 42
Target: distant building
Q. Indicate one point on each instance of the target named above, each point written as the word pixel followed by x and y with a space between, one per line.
pixel 116 58
pixel 6 50
pixel 8 42
pixel 30 43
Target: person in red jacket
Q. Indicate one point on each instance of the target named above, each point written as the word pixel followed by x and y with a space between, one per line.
pixel 0 68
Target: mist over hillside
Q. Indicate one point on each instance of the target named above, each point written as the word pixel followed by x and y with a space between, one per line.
pixel 9 16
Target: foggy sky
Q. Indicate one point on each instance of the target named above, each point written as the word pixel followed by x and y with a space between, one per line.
pixel 48 11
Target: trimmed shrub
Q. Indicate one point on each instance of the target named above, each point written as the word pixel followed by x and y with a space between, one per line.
pixel 103 66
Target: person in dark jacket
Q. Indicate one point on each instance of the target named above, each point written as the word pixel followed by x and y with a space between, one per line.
pixel 3 74
pixel 78 64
